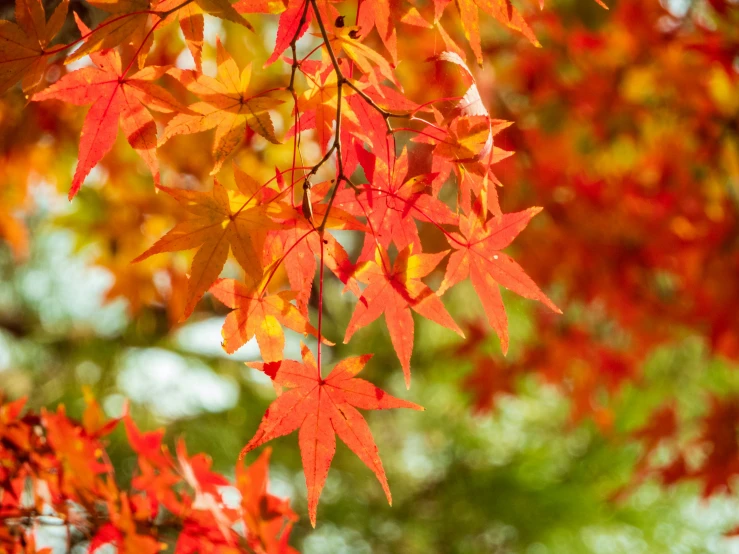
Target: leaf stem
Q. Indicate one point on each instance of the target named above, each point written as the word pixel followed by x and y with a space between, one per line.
pixel 320 305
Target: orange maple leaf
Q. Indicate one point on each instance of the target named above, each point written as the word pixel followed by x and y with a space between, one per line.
pixel 224 105
pixel 394 292
pixel 369 61
pixel 322 409
pixel 129 23
pixel 122 530
pixel 192 22
pixel 213 226
pixel 23 44
pixel 391 202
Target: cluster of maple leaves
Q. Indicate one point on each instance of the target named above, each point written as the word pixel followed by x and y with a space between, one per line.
pixel 362 181
pixel 654 260
pixel 55 472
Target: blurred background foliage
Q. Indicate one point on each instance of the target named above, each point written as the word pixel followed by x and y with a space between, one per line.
pixel 626 132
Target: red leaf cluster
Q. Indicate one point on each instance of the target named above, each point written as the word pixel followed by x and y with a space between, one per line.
pixel 348 100
pixel 55 471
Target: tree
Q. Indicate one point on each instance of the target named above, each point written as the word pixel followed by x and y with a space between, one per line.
pixel 380 129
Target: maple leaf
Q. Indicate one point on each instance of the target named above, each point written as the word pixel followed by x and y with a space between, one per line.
pixel 391 202
pixel 192 24
pixel 453 155
pixel 146 444
pixel 322 409
pixel 394 292
pixel 719 430
pixel 371 127
pixel 224 105
pixel 256 314
pixel 114 97
pixel 213 226
pixel 224 10
pixel 478 255
pixel 205 484
pixel 10 411
pixel 662 424
pixel 23 44
pixel 367 125
pixel 93 419
pixel 129 23
pixel 463 143
pixel 261 6
pixel 122 531
pixel 157 477
pixel 77 453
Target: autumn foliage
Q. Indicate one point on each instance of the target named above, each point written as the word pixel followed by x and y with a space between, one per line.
pixel 639 184
pixel 56 472
pixel 364 119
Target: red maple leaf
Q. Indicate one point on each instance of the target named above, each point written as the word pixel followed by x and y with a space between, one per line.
pixel 395 290
pixel 293 24
pixel 114 97
pixel 478 255
pixel 721 464
pixel 489 378
pixel 322 409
